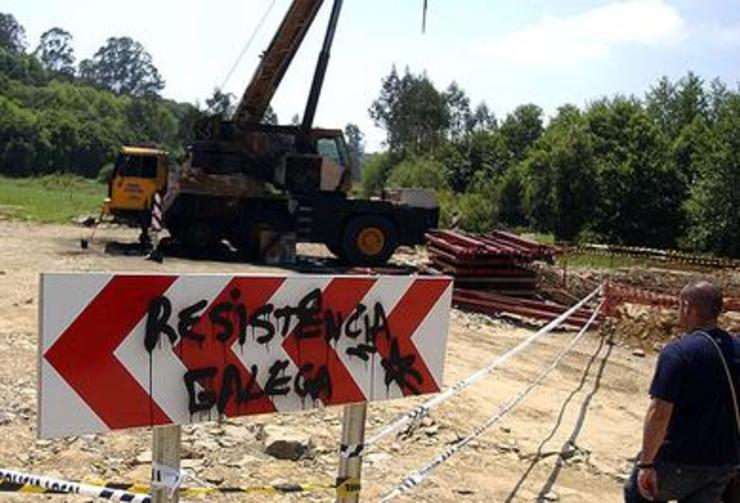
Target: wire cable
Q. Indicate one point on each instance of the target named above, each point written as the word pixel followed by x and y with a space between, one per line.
pixel 248 44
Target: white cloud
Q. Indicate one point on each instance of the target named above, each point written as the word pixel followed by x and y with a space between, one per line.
pixel 588 36
pixel 723 37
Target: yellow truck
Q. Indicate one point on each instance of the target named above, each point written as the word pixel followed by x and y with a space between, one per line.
pixel 138 174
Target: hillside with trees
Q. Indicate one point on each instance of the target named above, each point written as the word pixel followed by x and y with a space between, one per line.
pixel 60 116
pixel 662 170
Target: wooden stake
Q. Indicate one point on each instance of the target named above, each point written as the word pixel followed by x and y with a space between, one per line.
pixel 353 442
pixel 165 462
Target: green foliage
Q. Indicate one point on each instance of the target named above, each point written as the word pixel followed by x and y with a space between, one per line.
pixel 714 204
pixel 221 104
pixel 421 172
pixel 55 52
pixel 559 175
pixel 375 172
pixel 639 191
pixel 511 196
pixel 51 122
pixel 521 129
pixel 660 172
pixel 123 66
pixel 21 67
pixel 12 34
pixel 105 174
pixel 356 146
pixel 473 211
pixel 52 198
pixel 414 114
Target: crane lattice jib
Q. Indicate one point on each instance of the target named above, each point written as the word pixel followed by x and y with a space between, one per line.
pixel 276 60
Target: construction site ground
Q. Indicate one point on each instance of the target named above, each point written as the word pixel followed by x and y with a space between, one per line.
pixel 571 440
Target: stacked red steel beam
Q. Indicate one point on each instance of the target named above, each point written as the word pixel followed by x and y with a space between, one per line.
pixel 493 303
pixel 496 261
pixel 492 275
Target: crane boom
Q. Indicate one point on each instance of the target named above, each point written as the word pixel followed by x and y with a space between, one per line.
pixel 276 60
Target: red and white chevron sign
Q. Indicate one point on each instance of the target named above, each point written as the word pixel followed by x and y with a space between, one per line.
pixel 122 351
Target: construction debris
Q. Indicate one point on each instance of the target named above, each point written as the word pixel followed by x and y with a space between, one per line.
pixel 494 274
pixel 499 261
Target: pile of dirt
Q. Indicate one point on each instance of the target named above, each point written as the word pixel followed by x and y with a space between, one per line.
pixel 649 329
pixel 640 327
pixel 671 282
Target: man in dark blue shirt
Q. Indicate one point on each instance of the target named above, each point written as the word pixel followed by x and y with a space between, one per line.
pixel 690 436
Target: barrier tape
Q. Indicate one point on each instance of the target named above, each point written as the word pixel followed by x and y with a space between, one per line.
pixel 166 476
pixel 347 451
pixel 11 481
pixel 414 415
pixel 28 483
pixel 417 477
pixel 658 255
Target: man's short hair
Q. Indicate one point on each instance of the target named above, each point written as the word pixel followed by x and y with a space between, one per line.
pixel 706 297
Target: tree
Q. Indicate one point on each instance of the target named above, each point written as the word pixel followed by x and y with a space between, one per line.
pixel 638 190
pixel 12 34
pixel 221 104
pixel 675 106
pixel 55 52
pixel 18 139
pixel 356 146
pixel 123 66
pixel 714 205
pixel 458 106
pixel 413 113
pixel 484 119
pixel 270 116
pixel 560 173
pixel 150 122
pixel 521 129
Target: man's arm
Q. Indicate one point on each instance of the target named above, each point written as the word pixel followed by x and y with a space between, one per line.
pixel 654 430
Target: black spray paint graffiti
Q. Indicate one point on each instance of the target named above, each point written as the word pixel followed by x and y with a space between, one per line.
pixel 364 327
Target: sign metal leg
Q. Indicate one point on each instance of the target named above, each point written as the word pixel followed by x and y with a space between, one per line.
pixel 351 451
pixel 166 444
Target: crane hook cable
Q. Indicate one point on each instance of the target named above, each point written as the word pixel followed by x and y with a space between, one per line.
pixel 248 44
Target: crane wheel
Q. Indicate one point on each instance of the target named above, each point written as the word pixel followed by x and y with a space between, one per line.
pixel 248 235
pixel 198 237
pixel 369 240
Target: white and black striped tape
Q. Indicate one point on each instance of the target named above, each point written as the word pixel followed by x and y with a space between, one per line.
pixel 417 413
pixel 417 477
pixel 66 487
pixel 348 451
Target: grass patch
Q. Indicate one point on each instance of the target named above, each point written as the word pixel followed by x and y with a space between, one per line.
pixel 600 261
pixel 52 198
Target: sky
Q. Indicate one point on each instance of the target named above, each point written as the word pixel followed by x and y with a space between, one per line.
pixel 503 52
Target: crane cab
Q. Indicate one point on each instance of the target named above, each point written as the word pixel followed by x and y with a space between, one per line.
pixel 138 174
pixel 336 166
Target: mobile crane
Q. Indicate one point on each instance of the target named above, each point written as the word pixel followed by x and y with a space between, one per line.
pixel 242 177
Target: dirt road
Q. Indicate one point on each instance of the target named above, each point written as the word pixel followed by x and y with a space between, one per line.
pixel 589 409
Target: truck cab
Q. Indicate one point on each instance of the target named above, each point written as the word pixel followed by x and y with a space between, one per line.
pixel 138 173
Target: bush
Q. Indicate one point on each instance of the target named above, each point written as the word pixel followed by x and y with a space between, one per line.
pixel 375 172
pixel 105 174
pixel 418 173
pixel 473 211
